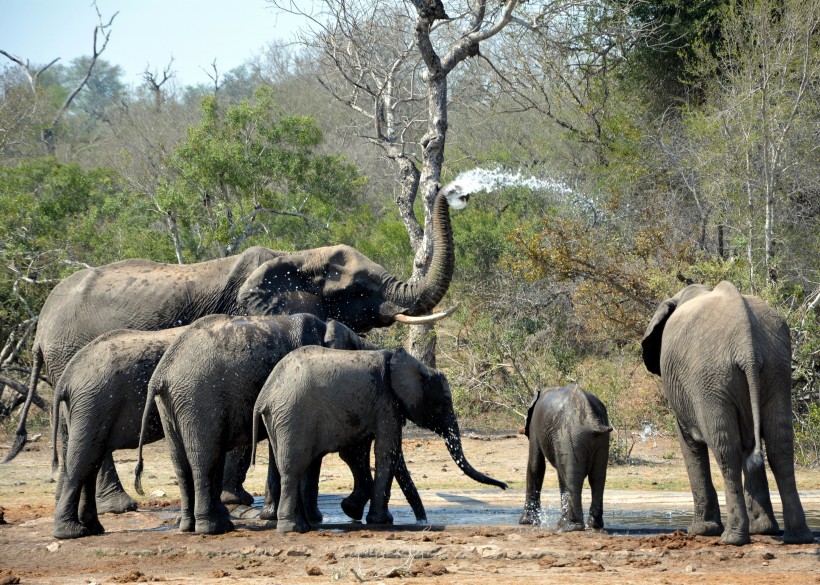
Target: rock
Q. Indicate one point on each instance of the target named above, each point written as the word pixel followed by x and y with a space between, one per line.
pixel 53 547
pixel 157 494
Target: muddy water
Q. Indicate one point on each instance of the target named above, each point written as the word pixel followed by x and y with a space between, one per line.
pixel 486 509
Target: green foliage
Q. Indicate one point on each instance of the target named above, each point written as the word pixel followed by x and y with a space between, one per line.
pixel 247 174
pixel 807 436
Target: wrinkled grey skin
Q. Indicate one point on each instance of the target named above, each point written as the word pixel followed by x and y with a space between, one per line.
pixel 569 427
pixel 205 386
pixel 103 390
pixel 725 364
pixel 318 400
pixel 334 282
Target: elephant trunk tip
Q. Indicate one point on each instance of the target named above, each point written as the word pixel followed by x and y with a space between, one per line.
pixel 138 478
pixel 20 440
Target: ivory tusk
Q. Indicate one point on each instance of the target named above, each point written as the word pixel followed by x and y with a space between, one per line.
pixel 424 319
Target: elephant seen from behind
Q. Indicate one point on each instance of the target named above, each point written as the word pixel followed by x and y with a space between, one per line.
pixel 319 400
pixel 568 427
pixel 724 359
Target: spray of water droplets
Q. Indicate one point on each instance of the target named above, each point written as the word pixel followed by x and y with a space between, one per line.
pixel 488 180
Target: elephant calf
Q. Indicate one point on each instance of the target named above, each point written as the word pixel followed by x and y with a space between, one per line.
pixel 103 388
pixel 569 427
pixel 319 400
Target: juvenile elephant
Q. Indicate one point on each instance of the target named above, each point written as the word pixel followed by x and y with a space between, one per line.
pixel 333 282
pixel 320 400
pixel 725 364
pixel 205 386
pixel 569 427
pixel 103 389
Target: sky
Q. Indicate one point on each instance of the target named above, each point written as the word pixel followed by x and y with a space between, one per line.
pixel 145 33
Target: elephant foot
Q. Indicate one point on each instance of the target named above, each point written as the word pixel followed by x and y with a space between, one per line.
pixel 186 524
pixel 116 502
pixel 268 512
pixel 376 517
pixel 804 536
pixel 570 526
pixel 314 515
pixel 531 516
pixel 353 507
pixel 236 495
pixel 763 525
pixel 706 528
pixel 94 526
pixel 70 529
pixel 595 523
pixel 284 525
pixel 735 537
pixel 219 525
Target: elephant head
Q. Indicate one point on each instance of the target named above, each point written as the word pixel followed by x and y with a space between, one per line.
pixel 651 342
pixel 339 282
pixel 425 398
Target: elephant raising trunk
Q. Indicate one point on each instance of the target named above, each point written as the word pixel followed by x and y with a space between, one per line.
pixel 423 296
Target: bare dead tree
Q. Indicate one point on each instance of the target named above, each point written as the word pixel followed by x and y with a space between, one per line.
pixel 391 62
pixel 214 77
pixel 154 83
pixel 102 34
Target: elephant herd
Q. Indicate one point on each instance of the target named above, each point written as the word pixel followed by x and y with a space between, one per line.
pixel 212 355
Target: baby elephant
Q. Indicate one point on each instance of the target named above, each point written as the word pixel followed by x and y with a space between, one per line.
pixel 319 400
pixel 569 427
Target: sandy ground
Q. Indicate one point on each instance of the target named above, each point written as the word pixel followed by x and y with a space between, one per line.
pixel 144 546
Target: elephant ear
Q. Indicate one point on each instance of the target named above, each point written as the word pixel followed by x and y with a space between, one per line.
pixel 407 383
pixel 280 286
pixel 530 410
pixel 651 342
pixel 340 336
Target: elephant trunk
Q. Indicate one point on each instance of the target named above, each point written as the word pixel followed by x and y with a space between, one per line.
pixel 452 438
pixel 421 297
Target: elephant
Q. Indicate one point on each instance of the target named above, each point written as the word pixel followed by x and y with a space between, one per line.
pixel 569 427
pixel 205 386
pixel 334 282
pixel 724 359
pixel 103 388
pixel 320 400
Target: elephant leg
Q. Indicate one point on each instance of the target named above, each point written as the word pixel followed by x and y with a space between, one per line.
pixel 289 515
pixel 66 512
pixel 536 468
pixel 759 502
pixel 310 492
pixel 273 489
pixel 597 480
pixel 88 513
pixel 237 463
pixel 570 482
pixel 780 453
pixel 357 458
pixel 408 488
pixel 111 496
pixel 727 450
pixel 706 521
pixel 210 514
pixel 185 479
pixel 387 444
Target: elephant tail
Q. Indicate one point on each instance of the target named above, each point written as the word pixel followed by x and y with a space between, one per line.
pixel 755 460
pixel 21 435
pixel 59 397
pixel 257 416
pixel 146 413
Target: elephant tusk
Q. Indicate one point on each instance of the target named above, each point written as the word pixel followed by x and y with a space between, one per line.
pixel 424 319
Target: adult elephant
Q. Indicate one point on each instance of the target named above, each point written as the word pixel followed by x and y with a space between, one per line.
pixel 335 282
pixel 725 363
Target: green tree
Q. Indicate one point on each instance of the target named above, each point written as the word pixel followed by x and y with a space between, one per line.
pixel 249 174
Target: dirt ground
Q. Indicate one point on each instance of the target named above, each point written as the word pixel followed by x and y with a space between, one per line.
pixel 144 546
